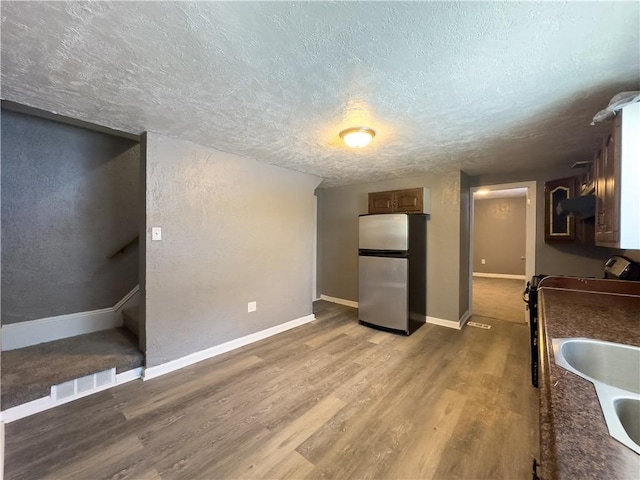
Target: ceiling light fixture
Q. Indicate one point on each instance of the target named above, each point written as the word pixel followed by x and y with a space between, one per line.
pixel 357 137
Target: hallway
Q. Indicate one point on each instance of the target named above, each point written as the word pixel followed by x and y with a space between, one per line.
pixel 499 298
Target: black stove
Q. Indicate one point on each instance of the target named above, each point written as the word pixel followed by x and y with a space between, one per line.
pixel 530 296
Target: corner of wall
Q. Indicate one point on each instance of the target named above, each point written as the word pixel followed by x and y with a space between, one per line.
pixel 465 248
pixel 142 246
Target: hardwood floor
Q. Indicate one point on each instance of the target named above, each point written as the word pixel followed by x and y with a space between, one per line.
pixel 327 400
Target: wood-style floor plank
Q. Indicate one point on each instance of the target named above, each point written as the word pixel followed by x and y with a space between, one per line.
pixel 102 462
pixel 330 399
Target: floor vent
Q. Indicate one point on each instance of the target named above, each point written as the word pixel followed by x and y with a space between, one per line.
pixel 479 325
pixel 83 385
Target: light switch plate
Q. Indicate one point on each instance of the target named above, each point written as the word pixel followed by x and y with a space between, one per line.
pixel 156 233
pixel 252 306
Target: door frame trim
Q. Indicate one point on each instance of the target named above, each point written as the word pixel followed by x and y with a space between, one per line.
pixel 530 230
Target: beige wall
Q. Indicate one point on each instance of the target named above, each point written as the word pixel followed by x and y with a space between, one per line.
pixel 499 234
pixel 570 259
pixel 340 209
pixel 234 230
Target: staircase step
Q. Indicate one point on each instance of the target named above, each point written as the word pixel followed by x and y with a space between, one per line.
pixel 29 373
pixel 131 320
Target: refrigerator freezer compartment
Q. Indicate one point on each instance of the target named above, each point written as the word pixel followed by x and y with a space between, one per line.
pixel 384 232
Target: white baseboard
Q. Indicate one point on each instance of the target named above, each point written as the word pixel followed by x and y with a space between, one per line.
pixel 499 275
pixel 173 365
pixel 129 375
pixel 436 321
pixel 46 403
pixel 33 332
pixel 26 409
pixel 341 301
pixel 445 323
pixel 24 334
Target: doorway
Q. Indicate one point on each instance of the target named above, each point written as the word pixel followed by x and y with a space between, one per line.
pixel 502 249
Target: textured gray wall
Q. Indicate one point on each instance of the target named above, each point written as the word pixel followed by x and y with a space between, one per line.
pixel 319 238
pixel 69 198
pixel 570 259
pixel 499 235
pixel 465 229
pixel 341 207
pixel 142 245
pixel 234 230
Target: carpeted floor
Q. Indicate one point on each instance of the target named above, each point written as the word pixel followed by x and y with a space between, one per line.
pixel 499 298
pixel 28 373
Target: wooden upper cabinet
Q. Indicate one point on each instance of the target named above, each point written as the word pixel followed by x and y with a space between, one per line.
pixel 559 227
pixel 607 180
pixel 411 200
pixel 381 202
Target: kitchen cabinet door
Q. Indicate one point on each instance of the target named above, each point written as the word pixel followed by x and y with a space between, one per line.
pixel 410 200
pixel 608 189
pixel 381 202
pixel 558 228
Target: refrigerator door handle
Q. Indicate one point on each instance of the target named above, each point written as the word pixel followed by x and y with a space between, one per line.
pixel 383 253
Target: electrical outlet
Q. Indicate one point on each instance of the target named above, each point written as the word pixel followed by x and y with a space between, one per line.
pixel 252 306
pixel 483 261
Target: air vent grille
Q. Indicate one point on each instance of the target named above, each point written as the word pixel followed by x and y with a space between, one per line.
pixel 83 385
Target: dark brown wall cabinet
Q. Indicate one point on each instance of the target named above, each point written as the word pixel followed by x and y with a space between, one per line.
pixel 614 174
pixel 559 228
pixel 411 200
pixel 607 180
pixel 565 228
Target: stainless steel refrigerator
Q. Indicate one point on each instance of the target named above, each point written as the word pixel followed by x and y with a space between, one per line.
pixel 392 271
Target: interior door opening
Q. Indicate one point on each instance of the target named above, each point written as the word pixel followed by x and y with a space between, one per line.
pixel 502 249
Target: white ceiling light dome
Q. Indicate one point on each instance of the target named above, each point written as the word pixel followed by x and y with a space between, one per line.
pixel 357 137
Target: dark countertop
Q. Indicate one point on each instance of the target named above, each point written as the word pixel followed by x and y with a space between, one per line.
pixel 574 440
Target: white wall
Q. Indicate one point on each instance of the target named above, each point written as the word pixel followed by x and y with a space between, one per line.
pixel 234 230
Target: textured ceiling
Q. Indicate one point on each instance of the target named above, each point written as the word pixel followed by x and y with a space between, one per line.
pixel 480 86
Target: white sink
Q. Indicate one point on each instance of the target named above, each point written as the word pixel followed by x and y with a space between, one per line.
pixel 614 364
pixel 614 370
pixel 628 410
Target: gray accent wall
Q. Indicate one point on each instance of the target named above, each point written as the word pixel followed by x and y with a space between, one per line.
pixel 69 200
pixel 499 235
pixel 142 246
pixel 319 238
pixel 465 230
pixel 554 259
pixel 340 209
pixel 234 231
